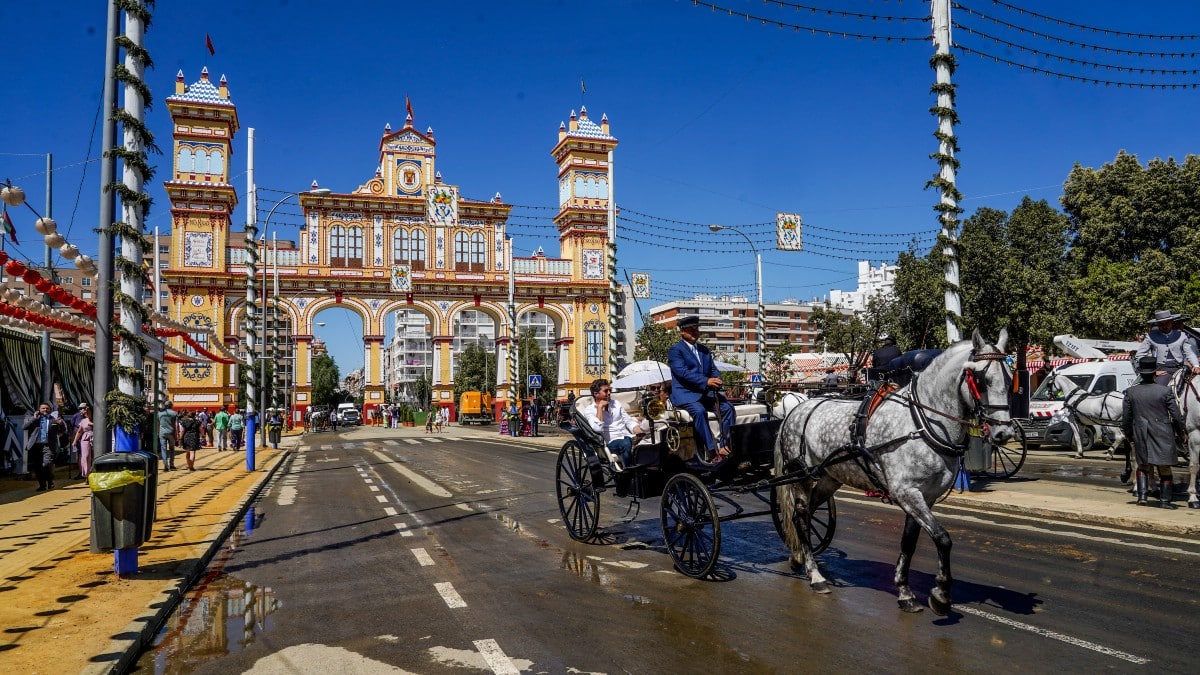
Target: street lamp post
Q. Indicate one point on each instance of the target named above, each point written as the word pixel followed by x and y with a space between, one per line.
pixel 760 314
pixel 263 349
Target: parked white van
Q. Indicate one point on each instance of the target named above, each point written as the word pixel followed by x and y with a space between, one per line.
pixel 1095 377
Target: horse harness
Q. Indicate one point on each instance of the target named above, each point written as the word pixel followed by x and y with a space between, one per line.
pixel 857 450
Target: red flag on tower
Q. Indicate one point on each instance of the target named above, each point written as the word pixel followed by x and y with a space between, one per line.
pixel 208 43
pixel 408 106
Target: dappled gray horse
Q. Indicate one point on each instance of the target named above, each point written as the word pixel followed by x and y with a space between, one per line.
pixel 1189 405
pixel 910 451
pixel 1083 408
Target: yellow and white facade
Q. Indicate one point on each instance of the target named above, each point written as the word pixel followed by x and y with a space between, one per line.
pixel 403 240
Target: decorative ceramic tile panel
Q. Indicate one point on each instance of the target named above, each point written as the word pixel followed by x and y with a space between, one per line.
pixel 198 249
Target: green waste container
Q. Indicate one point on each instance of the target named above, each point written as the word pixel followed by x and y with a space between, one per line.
pixel 123 498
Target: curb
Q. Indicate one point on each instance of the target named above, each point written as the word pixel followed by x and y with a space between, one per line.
pixel 141 630
pixel 1125 522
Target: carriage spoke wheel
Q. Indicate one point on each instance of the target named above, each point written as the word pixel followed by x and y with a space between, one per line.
pixel 578 496
pixel 1007 459
pixel 691 526
pixel 821 527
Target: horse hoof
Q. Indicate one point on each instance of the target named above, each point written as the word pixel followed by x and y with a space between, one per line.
pixel 939 607
pixel 911 606
pixel 822 588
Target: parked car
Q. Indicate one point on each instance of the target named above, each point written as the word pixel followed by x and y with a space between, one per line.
pixel 348 414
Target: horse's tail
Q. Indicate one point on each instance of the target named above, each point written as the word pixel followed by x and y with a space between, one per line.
pixel 786 493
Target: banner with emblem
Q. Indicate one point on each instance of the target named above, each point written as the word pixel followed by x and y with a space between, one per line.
pixel 401 278
pixel 641 284
pixel 441 205
pixel 787 232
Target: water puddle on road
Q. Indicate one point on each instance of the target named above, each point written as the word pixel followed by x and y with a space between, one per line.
pixel 220 615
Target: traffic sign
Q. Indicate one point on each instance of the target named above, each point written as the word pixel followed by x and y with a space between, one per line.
pixel 535 381
pixel 755 378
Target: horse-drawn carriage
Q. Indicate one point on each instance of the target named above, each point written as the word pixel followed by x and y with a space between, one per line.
pixel 906 445
pixel 697 496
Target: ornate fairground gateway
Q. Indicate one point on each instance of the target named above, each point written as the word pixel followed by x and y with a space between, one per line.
pixel 404 241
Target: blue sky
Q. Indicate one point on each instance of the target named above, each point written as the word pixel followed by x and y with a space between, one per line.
pixel 721 119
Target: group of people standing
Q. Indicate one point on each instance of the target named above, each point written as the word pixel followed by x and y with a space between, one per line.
pixel 194 429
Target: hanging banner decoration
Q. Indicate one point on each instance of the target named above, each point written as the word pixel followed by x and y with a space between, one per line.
pixel 787 232
pixel 401 278
pixel 641 284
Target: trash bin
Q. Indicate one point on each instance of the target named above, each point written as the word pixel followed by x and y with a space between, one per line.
pixel 123 486
pixel 979 454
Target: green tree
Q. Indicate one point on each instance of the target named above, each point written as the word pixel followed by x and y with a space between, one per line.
pixel 654 341
pixel 982 253
pixel 920 322
pixel 244 375
pixel 531 360
pixel 475 370
pixel 1034 274
pixel 777 364
pixel 325 378
pixel 423 391
pixel 843 332
pixel 1135 244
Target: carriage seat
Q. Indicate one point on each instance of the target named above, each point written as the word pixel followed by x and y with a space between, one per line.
pixel 744 413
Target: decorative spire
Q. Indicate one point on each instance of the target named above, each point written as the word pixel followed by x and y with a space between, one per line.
pixel 437 177
pixel 497 199
pixel 387 128
pixel 314 185
pixel 180 85
pixel 204 73
pixel 429 131
pixel 583 112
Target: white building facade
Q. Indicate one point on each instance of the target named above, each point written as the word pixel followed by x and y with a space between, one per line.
pixel 872 281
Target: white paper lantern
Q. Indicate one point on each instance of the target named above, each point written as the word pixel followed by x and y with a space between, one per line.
pixel 54 240
pixel 12 195
pixel 45 226
pixel 69 251
pixel 83 261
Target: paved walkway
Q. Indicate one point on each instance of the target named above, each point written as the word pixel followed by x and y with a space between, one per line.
pixel 62 609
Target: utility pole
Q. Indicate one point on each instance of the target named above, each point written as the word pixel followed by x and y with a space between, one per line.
pixel 47 371
pixel 947 145
pixel 102 373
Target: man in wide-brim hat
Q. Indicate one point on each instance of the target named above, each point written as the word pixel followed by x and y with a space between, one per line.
pixel 1170 348
pixel 1151 420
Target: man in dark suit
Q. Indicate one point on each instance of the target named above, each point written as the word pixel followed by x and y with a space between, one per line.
pixel 881 359
pixel 1151 420
pixel 696 388
pixel 43 436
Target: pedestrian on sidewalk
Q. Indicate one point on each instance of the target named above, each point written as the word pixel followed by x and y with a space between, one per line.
pixel 274 427
pixel 205 421
pixel 221 426
pixel 237 425
pixel 1152 422
pixel 84 435
pixel 189 437
pixel 168 431
pixel 43 436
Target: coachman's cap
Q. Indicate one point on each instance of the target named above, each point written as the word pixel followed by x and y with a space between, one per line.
pixel 1147 364
pixel 690 321
pixel 1162 315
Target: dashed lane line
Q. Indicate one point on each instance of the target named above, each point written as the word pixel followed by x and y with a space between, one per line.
pixel 382 499
pixel 404 531
pixel 374 488
pixel 412 441
pixel 1101 649
pixel 389 511
pixel 495 657
pixel 451 596
pixel 423 557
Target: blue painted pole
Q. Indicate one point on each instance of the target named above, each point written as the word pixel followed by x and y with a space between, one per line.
pixel 251 427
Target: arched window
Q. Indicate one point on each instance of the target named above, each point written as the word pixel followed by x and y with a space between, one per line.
pixel 337 246
pixel 478 252
pixel 400 245
pixel 461 251
pixel 354 247
pixel 217 163
pixel 603 194
pixel 186 161
pixel 416 248
pixel 580 189
pixel 201 161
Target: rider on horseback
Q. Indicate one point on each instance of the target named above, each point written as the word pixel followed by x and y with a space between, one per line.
pixel 1170 348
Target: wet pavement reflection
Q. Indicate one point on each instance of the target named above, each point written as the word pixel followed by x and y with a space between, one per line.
pixel 221 615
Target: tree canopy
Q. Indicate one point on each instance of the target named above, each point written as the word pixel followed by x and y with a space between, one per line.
pixel 325 378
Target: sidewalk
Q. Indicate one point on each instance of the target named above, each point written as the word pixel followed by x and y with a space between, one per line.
pixel 1078 502
pixel 62 607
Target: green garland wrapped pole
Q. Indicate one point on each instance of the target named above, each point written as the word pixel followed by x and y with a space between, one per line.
pixel 943 64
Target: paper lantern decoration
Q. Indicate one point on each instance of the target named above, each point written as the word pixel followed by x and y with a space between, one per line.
pixel 43 285
pixel 31 276
pixel 45 226
pixel 12 195
pixel 3 257
pixel 54 240
pixel 69 251
pixel 15 267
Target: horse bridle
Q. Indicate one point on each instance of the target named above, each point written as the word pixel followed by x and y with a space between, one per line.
pixel 979 413
pixel 974 378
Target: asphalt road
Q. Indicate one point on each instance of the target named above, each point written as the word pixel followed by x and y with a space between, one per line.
pixel 416 554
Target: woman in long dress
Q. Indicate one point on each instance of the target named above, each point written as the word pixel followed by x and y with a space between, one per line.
pixel 84 435
pixel 189 438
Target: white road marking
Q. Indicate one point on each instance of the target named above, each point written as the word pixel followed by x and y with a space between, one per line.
pixel 464 507
pixel 287 495
pixel 451 596
pixel 404 531
pixel 1101 649
pixel 421 481
pixel 495 657
pixel 374 488
pixel 434 440
pixel 422 557
pixel 382 499
pixel 412 441
pixel 390 511
pixel 368 481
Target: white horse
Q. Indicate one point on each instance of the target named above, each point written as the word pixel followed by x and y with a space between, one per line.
pixel 1189 405
pixel 910 450
pixel 786 402
pixel 1093 410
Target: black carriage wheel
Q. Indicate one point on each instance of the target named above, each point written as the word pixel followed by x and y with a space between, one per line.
pixel 578 498
pixel 690 524
pixel 1007 459
pixel 822 526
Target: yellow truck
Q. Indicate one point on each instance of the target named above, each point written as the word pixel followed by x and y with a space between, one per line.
pixel 475 406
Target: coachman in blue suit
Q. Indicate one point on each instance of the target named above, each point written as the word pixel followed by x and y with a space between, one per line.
pixel 696 388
